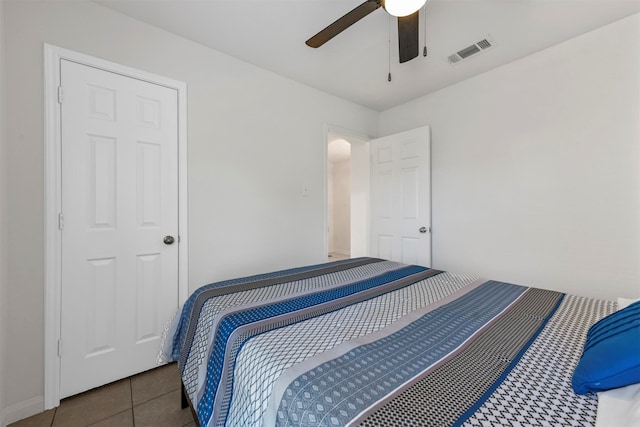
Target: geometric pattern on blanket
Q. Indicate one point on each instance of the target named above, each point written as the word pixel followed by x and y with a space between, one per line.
pixel 253 382
pixel 538 390
pixel 448 394
pixel 244 322
pixel 198 346
pixel 493 322
pixel 193 305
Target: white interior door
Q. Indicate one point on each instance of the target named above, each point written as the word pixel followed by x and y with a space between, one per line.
pixel 401 197
pixel 119 279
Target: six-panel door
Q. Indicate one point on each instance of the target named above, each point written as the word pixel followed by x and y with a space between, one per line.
pixel 119 201
pixel 401 197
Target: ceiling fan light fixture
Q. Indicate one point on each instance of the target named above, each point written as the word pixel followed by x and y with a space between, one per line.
pixel 402 7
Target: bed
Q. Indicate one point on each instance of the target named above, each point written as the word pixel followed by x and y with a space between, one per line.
pixel 372 342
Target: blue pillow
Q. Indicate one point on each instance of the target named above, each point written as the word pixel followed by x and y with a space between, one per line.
pixel 611 355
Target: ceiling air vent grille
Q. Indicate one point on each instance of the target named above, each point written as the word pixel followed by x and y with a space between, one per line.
pixel 484 44
pixel 469 51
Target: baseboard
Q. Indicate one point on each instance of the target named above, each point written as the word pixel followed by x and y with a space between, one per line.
pixel 22 410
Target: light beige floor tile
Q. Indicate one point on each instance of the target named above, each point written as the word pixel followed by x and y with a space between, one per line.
pixel 123 419
pixel 94 405
pixel 336 256
pixel 42 419
pixel 155 383
pixel 163 411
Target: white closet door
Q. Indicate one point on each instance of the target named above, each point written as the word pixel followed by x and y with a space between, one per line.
pixel 119 201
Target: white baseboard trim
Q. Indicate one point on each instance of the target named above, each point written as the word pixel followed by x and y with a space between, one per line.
pixel 22 410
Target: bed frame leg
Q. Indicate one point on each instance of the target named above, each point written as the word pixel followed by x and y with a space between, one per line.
pixel 184 401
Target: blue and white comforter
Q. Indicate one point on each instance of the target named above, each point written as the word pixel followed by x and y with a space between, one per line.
pixel 374 343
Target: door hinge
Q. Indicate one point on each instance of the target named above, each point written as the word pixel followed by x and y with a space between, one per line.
pixel 60 347
pixel 59 94
pixel 60 221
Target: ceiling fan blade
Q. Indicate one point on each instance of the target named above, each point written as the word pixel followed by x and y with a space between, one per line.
pixel 408 36
pixel 343 23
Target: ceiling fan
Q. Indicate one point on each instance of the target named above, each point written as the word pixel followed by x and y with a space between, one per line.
pixel 405 10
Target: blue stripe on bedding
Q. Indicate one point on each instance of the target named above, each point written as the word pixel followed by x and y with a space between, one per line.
pixel 232 321
pixel 506 372
pixel 347 385
pixel 187 309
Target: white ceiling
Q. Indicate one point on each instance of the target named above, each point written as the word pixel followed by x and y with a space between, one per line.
pixel 354 65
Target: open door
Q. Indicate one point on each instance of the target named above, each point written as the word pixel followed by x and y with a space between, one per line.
pixel 401 197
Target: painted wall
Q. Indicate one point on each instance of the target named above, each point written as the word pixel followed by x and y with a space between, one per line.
pixel 536 166
pixel 342 207
pixel 251 148
pixel 330 208
pixel 360 180
pixel 3 228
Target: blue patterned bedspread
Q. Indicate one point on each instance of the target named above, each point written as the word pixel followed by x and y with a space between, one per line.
pixel 371 342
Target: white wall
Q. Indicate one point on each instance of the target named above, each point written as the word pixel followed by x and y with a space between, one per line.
pixel 3 227
pixel 330 207
pixel 342 207
pixel 254 139
pixel 360 183
pixel 536 166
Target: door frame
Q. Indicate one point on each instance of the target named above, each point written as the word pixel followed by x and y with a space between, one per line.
pixel 360 228
pixel 53 198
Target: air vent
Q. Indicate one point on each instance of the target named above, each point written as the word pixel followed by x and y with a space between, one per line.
pixel 472 50
pixel 484 44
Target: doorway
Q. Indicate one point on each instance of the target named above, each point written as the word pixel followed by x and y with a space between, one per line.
pixel 348 179
pixel 401 231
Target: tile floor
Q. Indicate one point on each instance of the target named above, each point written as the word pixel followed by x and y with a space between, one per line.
pixel 337 256
pixel 150 399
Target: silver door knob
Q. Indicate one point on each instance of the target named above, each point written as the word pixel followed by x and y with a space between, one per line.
pixel 423 229
pixel 168 240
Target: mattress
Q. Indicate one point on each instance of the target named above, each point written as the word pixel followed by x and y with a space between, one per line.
pixel 373 342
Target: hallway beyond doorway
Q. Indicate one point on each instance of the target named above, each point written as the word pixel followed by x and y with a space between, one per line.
pixel 337 256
